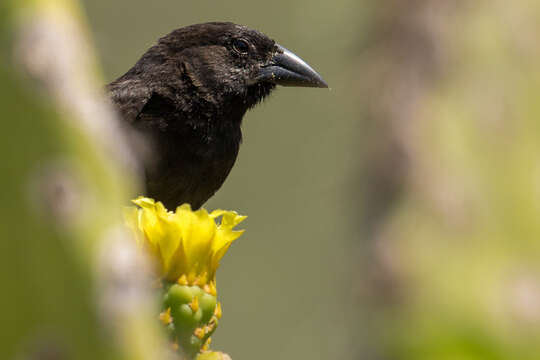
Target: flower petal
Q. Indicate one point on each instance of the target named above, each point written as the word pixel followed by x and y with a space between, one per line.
pixel 186 244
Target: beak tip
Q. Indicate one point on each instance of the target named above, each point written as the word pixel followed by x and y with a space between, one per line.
pixel 317 81
pixel 323 84
pixel 290 70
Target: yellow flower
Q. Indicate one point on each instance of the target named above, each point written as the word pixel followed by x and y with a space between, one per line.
pixel 187 245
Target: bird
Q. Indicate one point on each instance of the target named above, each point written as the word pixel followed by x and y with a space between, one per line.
pixel 186 98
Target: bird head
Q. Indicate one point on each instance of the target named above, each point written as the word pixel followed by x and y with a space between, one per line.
pixel 233 61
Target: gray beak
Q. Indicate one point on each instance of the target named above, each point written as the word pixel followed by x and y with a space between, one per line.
pixel 287 69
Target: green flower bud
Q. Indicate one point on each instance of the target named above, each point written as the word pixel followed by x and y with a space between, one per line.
pixel 183 318
pixel 177 295
pixel 207 304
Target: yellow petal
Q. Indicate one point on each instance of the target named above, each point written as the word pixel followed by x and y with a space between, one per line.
pixel 186 244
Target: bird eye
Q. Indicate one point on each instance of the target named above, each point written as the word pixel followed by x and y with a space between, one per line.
pixel 241 46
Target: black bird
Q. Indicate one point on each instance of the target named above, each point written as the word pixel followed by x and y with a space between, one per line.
pixel 187 96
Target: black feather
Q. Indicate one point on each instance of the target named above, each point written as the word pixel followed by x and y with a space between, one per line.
pixel 187 96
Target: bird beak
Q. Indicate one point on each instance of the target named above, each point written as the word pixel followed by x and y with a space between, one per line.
pixel 287 69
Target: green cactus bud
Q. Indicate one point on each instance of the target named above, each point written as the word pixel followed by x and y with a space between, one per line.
pixel 197 290
pixel 177 295
pixel 171 330
pixel 197 316
pixel 208 304
pixel 190 315
pixel 193 347
pixel 183 318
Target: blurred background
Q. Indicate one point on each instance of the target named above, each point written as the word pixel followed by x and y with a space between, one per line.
pixel 396 215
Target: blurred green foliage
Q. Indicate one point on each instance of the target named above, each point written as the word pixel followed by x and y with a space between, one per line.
pixel 456 252
pixel 61 197
pixel 40 277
